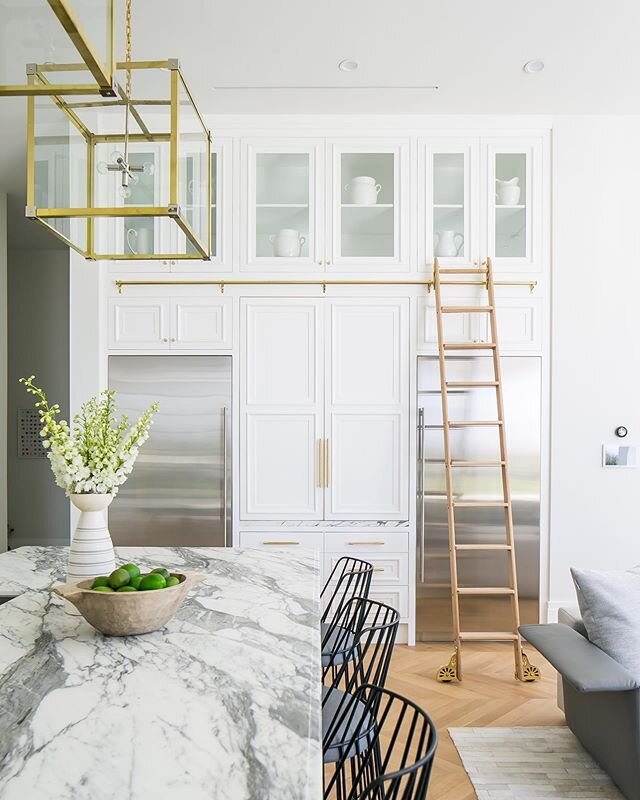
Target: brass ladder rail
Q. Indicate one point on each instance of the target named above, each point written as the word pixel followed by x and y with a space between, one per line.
pixel 524 671
pixel 222 282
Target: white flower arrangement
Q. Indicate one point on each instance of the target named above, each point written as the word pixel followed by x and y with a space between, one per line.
pixel 98 455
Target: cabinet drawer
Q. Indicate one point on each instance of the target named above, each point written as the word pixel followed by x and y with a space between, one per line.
pixel 356 543
pixel 281 540
pixel 387 570
pixel 396 598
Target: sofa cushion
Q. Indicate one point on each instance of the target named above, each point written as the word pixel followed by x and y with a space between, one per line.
pixel 610 607
pixel 572 618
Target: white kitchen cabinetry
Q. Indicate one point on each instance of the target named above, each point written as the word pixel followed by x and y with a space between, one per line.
pixel 282 191
pixel 163 323
pixel 324 205
pixel 366 357
pixel 519 321
pixel 281 409
pixel 324 409
pixel 367 204
pixel 482 197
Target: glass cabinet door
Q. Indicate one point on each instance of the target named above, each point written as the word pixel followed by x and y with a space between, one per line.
pixel 513 203
pixel 450 202
pixel 366 205
pixel 281 217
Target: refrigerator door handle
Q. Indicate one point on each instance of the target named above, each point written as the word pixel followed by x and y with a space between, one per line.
pixel 421 489
pixel 225 474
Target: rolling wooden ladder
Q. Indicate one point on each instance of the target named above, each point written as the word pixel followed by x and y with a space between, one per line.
pixel 524 670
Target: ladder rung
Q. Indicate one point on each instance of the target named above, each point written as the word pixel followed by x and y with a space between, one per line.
pixel 464 271
pixel 475 423
pixel 466 309
pixel 469 384
pixel 477 463
pixel 479 504
pixel 488 636
pixel 489 547
pixel 485 590
pixel 469 346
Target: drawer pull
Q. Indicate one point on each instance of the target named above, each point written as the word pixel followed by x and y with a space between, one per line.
pixel 363 544
pixel 280 542
pixel 379 569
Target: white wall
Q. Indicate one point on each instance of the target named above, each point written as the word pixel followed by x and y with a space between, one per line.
pixel 594 512
pixel 3 372
pixel 38 295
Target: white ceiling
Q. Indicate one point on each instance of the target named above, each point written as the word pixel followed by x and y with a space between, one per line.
pixel 473 51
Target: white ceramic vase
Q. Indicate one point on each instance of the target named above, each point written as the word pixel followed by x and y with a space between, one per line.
pixel 91 552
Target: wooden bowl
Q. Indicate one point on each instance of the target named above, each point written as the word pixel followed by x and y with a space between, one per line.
pixel 128 613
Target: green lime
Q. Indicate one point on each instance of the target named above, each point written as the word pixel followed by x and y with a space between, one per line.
pixel 161 571
pixel 152 581
pixel 126 589
pixel 172 580
pixel 118 578
pixel 132 569
pixel 103 589
pixel 101 580
pixel 135 582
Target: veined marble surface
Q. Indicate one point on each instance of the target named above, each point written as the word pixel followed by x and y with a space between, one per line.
pixel 222 703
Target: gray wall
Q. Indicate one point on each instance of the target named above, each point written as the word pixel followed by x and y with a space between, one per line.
pixel 3 372
pixel 38 300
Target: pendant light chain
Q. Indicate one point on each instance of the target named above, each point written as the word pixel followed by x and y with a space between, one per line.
pixel 128 48
pixel 127 58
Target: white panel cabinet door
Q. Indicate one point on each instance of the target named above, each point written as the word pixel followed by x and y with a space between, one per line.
pixel 139 323
pixel 367 363
pixel 281 401
pixel 201 323
pixel 463 327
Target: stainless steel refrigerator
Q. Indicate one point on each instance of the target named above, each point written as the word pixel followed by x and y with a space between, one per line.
pixel 179 492
pixel 522 401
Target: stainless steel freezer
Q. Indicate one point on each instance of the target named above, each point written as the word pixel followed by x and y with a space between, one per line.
pixel 521 376
pixel 179 492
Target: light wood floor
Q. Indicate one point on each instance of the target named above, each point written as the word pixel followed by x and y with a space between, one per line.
pixel 488 696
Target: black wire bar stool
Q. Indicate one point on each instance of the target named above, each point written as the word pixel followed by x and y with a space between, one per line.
pixel 397 763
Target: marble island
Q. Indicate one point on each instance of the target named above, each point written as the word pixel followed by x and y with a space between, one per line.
pixel 224 702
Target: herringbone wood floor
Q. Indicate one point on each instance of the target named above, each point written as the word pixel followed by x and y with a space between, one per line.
pixel 488 696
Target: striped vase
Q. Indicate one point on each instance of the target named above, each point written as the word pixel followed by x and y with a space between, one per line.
pixel 91 552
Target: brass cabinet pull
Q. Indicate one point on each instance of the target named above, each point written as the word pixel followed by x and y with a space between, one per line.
pixel 362 544
pixel 280 543
pixel 327 464
pixel 378 569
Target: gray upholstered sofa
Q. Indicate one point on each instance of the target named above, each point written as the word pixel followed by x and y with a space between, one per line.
pixel 601 700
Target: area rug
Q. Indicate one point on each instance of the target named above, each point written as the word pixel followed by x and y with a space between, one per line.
pixel 530 764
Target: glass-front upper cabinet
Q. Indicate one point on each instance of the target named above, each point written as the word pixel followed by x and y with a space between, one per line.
pixel 448 202
pixel 282 214
pixel 367 206
pixel 219 210
pixel 513 201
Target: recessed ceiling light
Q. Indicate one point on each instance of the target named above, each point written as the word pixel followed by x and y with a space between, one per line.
pixel 537 65
pixel 348 65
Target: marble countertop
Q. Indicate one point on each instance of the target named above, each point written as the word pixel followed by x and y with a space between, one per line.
pixel 224 702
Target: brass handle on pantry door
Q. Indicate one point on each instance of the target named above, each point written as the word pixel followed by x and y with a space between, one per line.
pixel 320 465
pixel 327 464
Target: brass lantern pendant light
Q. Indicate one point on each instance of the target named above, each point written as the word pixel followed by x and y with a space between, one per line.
pixel 122 186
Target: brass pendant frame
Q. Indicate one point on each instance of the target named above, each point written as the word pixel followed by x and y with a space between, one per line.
pixel 101 68
pixel 201 244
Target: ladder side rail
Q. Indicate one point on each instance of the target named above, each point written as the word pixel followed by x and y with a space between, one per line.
pixel 455 601
pixel 506 485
